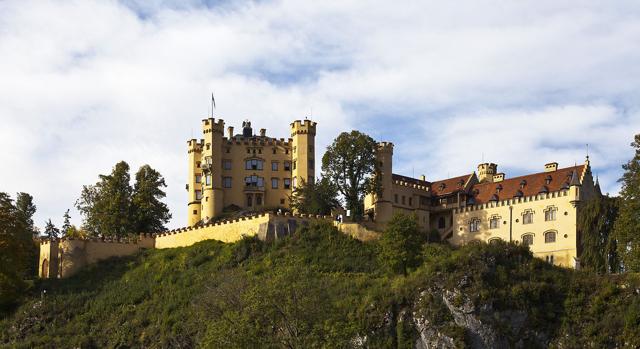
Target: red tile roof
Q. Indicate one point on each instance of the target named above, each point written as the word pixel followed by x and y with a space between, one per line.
pixel 533 184
pixel 449 185
pixel 397 177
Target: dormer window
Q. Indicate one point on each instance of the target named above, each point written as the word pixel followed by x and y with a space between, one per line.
pixel 523 183
pixel 518 194
pixel 547 179
pixel 498 188
pixel 441 186
pixel 461 183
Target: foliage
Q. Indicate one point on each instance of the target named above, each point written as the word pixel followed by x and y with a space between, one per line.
pixel 596 219
pixel 401 243
pixel 321 288
pixel 66 224
pixel 15 251
pixel 350 163
pixel 111 207
pixel 50 230
pixel 627 224
pixel 315 198
pixel 150 214
pixel 26 208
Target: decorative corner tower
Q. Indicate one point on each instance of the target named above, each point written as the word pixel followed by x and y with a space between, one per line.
pixel 303 134
pixel 194 182
pixel 486 171
pixel 211 164
pixel 383 203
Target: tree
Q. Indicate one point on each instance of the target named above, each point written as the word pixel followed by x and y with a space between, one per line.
pixel 627 226
pixel 150 214
pixel 26 208
pixel 66 225
pixel 50 230
pixel 595 223
pixel 315 198
pixel 350 163
pixel 401 244
pixel 15 244
pixel 106 206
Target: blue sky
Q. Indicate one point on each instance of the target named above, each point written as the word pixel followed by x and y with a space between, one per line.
pixel 85 84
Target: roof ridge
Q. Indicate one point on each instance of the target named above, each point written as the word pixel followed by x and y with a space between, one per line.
pixel 532 174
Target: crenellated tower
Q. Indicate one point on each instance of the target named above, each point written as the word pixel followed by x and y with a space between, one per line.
pixel 303 134
pixel 383 200
pixel 194 182
pixel 211 164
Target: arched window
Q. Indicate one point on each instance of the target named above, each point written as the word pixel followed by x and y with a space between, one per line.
pixel 441 223
pixel 527 239
pixel 527 217
pixel 493 241
pixel 550 236
pixel 474 225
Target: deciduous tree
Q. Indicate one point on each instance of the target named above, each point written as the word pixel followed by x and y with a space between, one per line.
pixel 315 198
pixel 350 163
pixel 149 213
pixel 401 244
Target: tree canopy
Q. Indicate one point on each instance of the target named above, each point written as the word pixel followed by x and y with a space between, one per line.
pixel 112 207
pixel 315 198
pixel 350 163
pixel 627 226
pixel 598 246
pixel 401 244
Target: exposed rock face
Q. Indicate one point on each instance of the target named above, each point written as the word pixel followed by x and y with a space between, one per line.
pixel 430 337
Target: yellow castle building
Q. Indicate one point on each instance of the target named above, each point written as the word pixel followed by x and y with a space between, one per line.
pixel 246 171
pixel 539 210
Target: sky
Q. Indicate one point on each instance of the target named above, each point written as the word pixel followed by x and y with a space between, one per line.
pixel 85 84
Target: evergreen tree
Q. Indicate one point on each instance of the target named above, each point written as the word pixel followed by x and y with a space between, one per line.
pixel 149 213
pixel 401 244
pixel 350 163
pixel 627 226
pixel 106 206
pixel 50 230
pixel 595 223
pixel 15 245
pixel 315 198
pixel 26 208
pixel 66 225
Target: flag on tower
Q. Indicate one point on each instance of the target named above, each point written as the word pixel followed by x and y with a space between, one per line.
pixel 213 101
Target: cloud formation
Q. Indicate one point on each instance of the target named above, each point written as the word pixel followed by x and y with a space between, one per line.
pixel 88 83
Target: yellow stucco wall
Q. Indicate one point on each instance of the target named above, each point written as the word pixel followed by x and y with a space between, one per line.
pixel 563 250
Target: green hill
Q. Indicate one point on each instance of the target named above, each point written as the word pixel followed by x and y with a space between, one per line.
pixel 320 288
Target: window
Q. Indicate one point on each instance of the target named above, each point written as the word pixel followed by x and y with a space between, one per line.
pixel 226 164
pixel 549 259
pixel 494 223
pixel 550 214
pixel 549 237
pixel 287 183
pixel 254 181
pixel 294 164
pixel 249 200
pixel 274 150
pixel 395 198
pixel 198 194
pixel 527 217
pixel 281 201
pixel 198 178
pixel 403 199
pixel 295 182
pixel 274 166
pixel 274 183
pixel 253 164
pixel 474 225
pixel 442 223
pixel 286 151
pixel 228 150
pixel 258 199
pixel 494 241
pixel 527 239
pixel 226 182
pixel 195 211
pixel 410 201
pixel 207 179
pixel 248 151
pixel 287 166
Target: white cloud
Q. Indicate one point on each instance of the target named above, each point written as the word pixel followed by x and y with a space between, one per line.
pixel 84 84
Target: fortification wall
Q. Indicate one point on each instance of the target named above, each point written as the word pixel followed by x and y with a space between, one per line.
pixel 360 231
pixel 266 226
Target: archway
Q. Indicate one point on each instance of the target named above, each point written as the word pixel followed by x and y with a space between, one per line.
pixel 45 269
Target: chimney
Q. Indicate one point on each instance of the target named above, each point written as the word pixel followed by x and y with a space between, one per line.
pixel 263 132
pixel 551 167
pixel 423 178
pixel 230 131
pixel 499 177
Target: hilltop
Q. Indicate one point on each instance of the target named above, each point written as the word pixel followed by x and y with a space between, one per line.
pixel 320 288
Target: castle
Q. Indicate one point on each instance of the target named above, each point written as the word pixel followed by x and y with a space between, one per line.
pixel 246 171
pixel 539 210
pixel 258 173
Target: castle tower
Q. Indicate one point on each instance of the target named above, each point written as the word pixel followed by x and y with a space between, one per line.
pixel 194 182
pixel 212 194
pixel 383 203
pixel 303 134
pixel 486 171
